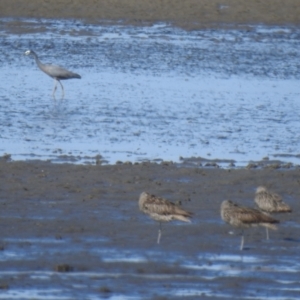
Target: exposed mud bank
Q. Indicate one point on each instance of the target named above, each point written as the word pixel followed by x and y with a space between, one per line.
pixel 75 232
pixel 190 14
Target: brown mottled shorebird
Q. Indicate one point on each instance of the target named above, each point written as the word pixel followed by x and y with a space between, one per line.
pixel 270 202
pixel 245 217
pixel 162 210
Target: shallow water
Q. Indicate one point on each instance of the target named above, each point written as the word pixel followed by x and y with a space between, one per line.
pixel 112 253
pixel 132 273
pixel 146 93
pixel 150 93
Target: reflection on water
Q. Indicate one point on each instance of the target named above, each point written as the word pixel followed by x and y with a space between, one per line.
pixel 234 258
pixel 134 273
pixel 49 294
pixel 151 93
pixel 129 274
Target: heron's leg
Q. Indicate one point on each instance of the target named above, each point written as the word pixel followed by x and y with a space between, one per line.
pixel 267 231
pixel 54 88
pixel 242 241
pixel 159 233
pixel 62 89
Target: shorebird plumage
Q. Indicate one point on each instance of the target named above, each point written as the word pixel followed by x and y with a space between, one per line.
pixel 162 210
pixel 270 202
pixel 245 217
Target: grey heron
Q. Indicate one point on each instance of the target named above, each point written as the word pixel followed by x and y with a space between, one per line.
pixel 58 73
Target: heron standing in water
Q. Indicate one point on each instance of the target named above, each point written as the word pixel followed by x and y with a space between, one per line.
pixel 58 73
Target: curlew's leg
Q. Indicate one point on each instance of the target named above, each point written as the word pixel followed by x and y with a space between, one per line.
pixel 159 233
pixel 62 90
pixel 54 88
pixel 267 231
pixel 242 242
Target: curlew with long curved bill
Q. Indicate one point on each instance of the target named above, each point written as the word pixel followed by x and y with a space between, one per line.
pixel 245 217
pixel 162 210
pixel 270 202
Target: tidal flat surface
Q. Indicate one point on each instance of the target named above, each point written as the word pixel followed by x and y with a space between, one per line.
pixel 150 93
pixel 73 231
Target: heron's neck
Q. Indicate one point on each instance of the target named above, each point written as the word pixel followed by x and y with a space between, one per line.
pixel 38 62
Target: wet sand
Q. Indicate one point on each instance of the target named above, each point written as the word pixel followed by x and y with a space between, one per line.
pixel 190 14
pixel 60 218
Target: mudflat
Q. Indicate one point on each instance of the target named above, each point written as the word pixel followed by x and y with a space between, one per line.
pixel 67 225
pixel 189 14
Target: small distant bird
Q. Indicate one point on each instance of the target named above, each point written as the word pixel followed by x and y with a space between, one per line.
pixel 270 202
pixel 58 73
pixel 162 210
pixel 245 217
